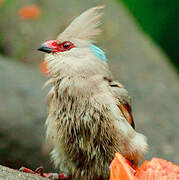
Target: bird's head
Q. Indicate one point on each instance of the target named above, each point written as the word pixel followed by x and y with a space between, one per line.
pixel 74 49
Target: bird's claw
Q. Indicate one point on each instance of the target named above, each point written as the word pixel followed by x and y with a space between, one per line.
pixel 40 171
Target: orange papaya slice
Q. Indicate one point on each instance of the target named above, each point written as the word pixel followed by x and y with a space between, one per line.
pixel 120 169
pixel 157 169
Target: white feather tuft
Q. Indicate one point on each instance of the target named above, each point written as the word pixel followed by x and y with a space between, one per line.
pixel 84 27
pixel 139 142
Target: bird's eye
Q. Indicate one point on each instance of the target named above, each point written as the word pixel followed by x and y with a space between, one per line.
pixel 67 45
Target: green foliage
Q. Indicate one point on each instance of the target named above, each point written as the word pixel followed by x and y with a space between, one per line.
pixel 159 19
pixel 1 39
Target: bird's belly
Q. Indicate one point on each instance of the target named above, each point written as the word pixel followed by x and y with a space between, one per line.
pixel 86 136
pixel 81 138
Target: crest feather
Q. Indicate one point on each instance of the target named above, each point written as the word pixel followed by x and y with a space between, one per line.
pixel 85 26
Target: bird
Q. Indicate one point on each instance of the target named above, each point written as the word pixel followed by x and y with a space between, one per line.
pixel 89 114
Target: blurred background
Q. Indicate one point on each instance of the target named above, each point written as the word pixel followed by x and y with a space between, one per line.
pixel 160 20
pixel 140 39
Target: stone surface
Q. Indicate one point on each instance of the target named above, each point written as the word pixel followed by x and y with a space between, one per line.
pixel 22 116
pixel 11 174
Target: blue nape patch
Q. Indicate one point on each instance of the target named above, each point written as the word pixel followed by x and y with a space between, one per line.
pixel 98 52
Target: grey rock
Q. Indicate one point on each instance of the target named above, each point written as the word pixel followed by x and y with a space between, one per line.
pixel 22 116
pixel 11 174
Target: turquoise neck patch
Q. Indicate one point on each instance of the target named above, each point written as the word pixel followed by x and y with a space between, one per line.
pixel 98 52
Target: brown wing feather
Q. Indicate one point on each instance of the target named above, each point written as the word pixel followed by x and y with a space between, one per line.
pixel 126 111
pixel 121 94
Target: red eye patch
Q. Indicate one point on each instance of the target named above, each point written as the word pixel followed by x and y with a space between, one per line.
pixel 65 46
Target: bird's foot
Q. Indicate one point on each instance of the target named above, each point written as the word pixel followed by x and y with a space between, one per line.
pixel 40 171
